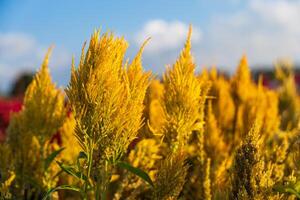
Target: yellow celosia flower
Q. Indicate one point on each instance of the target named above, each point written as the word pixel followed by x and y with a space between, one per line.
pixel 223 104
pixel 170 177
pixel 214 143
pixel 30 131
pixel 43 105
pixel 107 98
pixel 289 102
pixel 246 159
pixel 183 99
pixel 242 85
pixel 154 112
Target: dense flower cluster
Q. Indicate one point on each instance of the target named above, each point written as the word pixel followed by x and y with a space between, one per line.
pixel 129 135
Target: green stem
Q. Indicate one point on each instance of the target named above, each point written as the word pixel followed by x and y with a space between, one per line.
pixel 90 163
pixel 102 183
pixel 97 194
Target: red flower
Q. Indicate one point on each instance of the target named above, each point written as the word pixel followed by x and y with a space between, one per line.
pixel 6 108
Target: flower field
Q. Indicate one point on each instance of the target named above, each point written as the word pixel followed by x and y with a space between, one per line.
pixel 118 132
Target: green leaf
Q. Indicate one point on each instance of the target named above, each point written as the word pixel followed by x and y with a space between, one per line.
pixel 72 171
pixel 288 190
pixel 62 187
pixel 51 157
pixel 297 186
pixel 140 173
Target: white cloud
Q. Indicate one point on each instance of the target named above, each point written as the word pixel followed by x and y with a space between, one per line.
pixel 282 12
pixel 165 35
pixel 265 30
pixel 15 44
pixel 20 52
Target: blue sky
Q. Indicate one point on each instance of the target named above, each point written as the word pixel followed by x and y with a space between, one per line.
pixel 223 30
